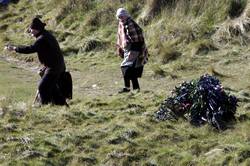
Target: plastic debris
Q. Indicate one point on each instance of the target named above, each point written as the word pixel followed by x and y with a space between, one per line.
pixel 201 101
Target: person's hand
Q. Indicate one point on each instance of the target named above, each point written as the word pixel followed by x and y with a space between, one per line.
pixel 42 71
pixel 10 48
pixel 119 51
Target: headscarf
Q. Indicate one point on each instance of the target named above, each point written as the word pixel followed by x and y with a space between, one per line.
pixel 122 12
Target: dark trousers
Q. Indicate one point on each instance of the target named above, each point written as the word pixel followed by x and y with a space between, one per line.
pixel 131 74
pixel 134 81
pixel 49 91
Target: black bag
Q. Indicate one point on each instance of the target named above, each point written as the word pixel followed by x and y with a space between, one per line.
pixel 65 85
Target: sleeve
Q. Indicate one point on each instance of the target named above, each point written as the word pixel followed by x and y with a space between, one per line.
pixel 119 37
pixel 131 32
pixel 29 49
pixel 118 42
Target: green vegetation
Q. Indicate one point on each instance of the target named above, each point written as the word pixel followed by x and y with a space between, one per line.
pixel 186 39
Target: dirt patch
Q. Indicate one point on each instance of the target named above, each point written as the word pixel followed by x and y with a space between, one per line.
pixel 20 64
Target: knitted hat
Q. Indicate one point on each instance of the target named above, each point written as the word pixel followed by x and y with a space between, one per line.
pixel 37 24
pixel 122 12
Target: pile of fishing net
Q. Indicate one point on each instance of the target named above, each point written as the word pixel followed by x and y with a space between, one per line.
pixel 200 101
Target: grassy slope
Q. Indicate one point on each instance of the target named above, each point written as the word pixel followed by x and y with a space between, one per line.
pixel 102 127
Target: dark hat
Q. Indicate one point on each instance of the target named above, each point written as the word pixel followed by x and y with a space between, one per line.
pixel 37 24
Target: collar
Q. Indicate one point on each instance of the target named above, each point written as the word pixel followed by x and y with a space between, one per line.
pixel 126 21
pixel 40 33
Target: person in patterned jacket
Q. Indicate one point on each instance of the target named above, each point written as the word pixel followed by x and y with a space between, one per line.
pixel 131 47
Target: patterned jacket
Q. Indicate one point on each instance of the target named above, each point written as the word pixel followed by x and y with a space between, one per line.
pixel 130 38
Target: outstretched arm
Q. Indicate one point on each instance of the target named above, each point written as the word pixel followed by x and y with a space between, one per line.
pixel 24 49
pixel 27 49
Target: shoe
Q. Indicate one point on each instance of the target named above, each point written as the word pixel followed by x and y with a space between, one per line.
pixel 124 90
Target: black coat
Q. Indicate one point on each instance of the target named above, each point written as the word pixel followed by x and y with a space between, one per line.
pixel 48 50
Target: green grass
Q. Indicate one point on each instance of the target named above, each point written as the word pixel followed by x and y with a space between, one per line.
pixel 11 76
pixel 102 127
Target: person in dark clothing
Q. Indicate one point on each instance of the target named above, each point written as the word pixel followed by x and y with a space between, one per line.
pixel 50 56
pixel 131 47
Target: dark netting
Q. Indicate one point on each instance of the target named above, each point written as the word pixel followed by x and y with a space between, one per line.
pixel 200 101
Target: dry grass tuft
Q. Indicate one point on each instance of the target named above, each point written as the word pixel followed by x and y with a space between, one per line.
pixel 158 72
pixel 92 44
pixel 235 27
pixel 154 8
pixel 203 47
pixel 169 54
pixel 66 7
pixel 100 17
pixel 216 73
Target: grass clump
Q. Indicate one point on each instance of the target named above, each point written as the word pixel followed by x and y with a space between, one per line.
pixel 158 71
pixel 203 47
pixel 235 28
pixel 66 8
pixel 154 8
pixel 70 50
pixel 168 54
pixel 3 27
pixel 62 36
pixel 91 44
pixel 236 8
pixel 243 155
pixel 100 17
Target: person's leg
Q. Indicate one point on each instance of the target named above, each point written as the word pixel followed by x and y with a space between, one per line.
pixel 57 96
pixel 137 73
pixel 135 83
pixel 126 79
pixel 63 89
pixel 126 86
pixel 126 82
pixel 46 86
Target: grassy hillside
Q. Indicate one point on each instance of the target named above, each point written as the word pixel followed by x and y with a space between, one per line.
pixel 186 39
